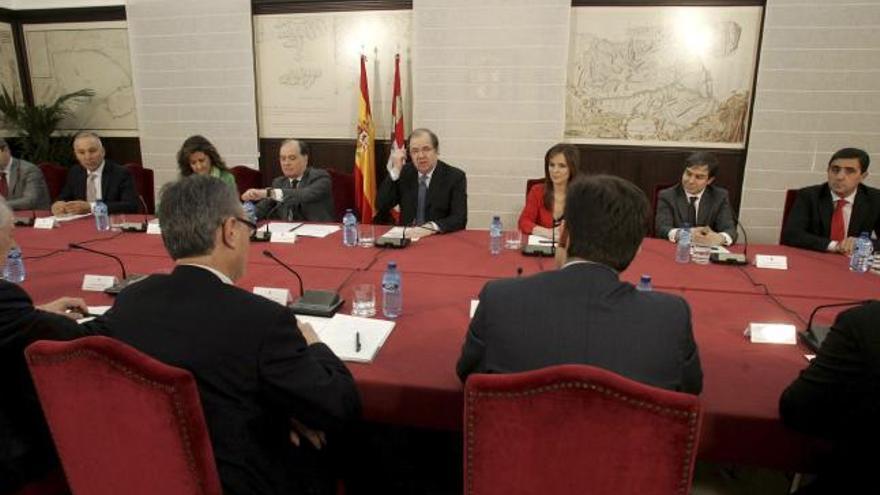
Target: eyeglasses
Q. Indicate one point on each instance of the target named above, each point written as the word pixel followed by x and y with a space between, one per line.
pixel 252 227
pixel 422 150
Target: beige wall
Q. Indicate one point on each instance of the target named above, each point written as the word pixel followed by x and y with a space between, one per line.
pixel 818 90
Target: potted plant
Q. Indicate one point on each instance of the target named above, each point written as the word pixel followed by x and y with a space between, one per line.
pixel 35 125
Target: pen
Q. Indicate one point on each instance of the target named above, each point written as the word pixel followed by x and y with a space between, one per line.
pixel 294 228
pixel 544 241
pixel 357 342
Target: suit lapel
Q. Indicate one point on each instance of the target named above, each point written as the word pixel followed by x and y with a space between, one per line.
pixel 14 179
pixel 681 205
pixel 826 209
pixel 858 214
pixel 435 187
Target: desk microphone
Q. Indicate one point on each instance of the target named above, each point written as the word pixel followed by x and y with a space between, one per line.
pixel 310 302
pixel 394 242
pixel 542 249
pixel 136 226
pixel 26 221
pixel 266 235
pixel 814 335
pixel 733 258
pixel 126 280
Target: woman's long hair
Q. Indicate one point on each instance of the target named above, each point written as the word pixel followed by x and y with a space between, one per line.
pixel 572 159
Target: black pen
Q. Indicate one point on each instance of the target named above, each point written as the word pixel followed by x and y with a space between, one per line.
pixel 357 342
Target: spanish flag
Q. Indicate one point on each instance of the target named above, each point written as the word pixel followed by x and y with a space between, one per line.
pixel 365 154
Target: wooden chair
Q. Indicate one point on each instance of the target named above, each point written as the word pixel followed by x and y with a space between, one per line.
pixel 144 184
pixel 246 178
pixel 790 196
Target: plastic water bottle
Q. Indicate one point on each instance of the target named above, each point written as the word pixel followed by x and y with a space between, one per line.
pixel 349 229
pixel 495 232
pixel 250 211
pixel 644 284
pixel 392 292
pixel 102 217
pixel 13 271
pixel 683 244
pixel 860 262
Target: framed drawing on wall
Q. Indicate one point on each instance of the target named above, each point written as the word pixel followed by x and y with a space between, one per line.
pixel 661 76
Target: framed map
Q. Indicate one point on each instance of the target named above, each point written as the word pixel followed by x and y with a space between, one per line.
pixel 71 56
pixel 9 77
pixel 661 76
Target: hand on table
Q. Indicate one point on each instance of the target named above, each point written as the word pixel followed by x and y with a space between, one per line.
pixel 298 430
pixel 846 246
pixel 71 207
pixel 253 195
pixel 71 307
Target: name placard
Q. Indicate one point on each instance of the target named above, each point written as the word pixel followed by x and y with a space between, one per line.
pixel 98 283
pixel 44 223
pixel 772 333
pixel 283 237
pixel 153 228
pixel 281 296
pixel 772 262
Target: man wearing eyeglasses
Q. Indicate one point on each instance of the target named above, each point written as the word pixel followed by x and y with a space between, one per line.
pixel 432 195
pixel 829 217
pixel 267 384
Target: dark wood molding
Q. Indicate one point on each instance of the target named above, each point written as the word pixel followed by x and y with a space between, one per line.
pixel 301 6
pixel 337 154
pixel 7 15
pixel 667 3
pixel 75 14
pixel 24 69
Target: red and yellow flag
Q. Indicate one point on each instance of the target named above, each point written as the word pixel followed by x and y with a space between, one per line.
pixel 365 154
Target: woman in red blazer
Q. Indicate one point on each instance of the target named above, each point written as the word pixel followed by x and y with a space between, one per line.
pixel 546 201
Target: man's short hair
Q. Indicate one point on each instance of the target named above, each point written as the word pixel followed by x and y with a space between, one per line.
pixel 700 158
pixel 190 211
pixel 860 155
pixel 422 130
pixel 605 219
pixel 303 145
pixel 84 134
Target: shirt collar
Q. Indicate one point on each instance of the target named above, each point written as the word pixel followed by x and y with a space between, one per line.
pixel 699 195
pixel 99 170
pixel 581 261
pixel 222 276
pixel 849 199
pixel 8 167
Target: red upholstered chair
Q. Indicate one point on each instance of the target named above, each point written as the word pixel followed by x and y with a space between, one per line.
pixel 790 195
pixel 55 176
pixel 123 423
pixel 577 429
pixel 655 194
pixel 144 184
pixel 532 182
pixel 343 192
pixel 246 178
pixel 52 484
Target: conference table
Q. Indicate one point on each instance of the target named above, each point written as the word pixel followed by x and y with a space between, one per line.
pixel 412 379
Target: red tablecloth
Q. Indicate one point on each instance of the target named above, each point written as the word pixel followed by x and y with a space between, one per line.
pixel 412 380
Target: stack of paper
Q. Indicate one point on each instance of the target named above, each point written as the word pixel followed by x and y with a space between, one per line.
pixel 536 240
pixel 342 332
pixel 315 230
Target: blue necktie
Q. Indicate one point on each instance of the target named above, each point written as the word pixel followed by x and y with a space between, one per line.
pixel 423 197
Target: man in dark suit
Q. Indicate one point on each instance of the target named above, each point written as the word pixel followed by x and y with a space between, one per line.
pixel 21 183
pixel 256 369
pixel 303 193
pixel 96 179
pixel 26 450
pixel 432 194
pixel 838 397
pixel 582 313
pixel 830 217
pixel 698 203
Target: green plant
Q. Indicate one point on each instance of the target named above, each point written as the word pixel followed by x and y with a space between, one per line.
pixel 35 124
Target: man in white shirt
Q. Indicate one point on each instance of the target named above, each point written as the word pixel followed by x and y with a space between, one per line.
pixel 21 182
pixel 697 203
pixel 829 217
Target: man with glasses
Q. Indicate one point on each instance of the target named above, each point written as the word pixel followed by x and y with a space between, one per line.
pixel 266 383
pixel 432 195
pixel 830 217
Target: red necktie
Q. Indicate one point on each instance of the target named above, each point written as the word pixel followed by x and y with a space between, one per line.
pixel 838 232
pixel 4 186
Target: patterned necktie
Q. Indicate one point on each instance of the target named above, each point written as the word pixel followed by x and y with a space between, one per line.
pixel 423 197
pixel 4 185
pixel 838 230
pixel 91 190
pixel 692 211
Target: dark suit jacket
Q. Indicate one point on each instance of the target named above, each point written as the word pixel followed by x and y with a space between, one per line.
pixel 26 450
pixel 253 368
pixel 714 212
pixel 582 314
pixel 311 201
pixel 838 397
pixel 446 202
pixel 28 190
pixel 809 221
pixel 117 187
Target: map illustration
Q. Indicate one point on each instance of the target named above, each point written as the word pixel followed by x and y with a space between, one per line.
pixel 66 58
pixel 661 76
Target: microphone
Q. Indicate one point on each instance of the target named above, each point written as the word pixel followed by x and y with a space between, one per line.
pixel 26 221
pixel 543 249
pixel 394 242
pixel 136 226
pixel 265 235
pixel 519 271
pixel 814 335
pixel 733 258
pixel 126 280
pixel 310 302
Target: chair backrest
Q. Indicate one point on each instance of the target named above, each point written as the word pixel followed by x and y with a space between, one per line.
pixel 655 194
pixel 246 178
pixel 55 176
pixel 790 195
pixel 144 184
pixel 121 421
pixel 532 182
pixel 577 429
pixel 343 192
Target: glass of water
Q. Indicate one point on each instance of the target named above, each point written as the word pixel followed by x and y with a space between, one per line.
pixel 513 239
pixel 700 253
pixel 366 235
pixel 363 300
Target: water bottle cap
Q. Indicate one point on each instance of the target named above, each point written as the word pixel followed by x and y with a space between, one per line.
pixel 392 264
pixel 646 278
pixel 496 217
pixel 865 235
pixel 348 210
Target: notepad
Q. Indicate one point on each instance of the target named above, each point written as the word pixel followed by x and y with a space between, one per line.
pixel 339 334
pixel 312 230
pixel 95 310
pixel 282 226
pixel 537 240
